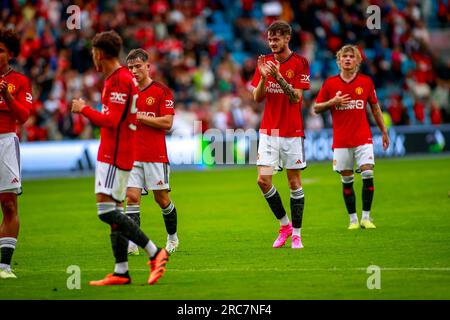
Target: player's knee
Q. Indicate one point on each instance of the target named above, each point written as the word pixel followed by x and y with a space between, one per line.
pixel 162 201
pixel 133 196
pixel 367 174
pixel 264 183
pixel 132 199
pixel 294 184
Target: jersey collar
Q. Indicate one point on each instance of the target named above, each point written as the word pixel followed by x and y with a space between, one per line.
pixel 348 82
pixel 288 57
pixel 148 86
pixel 6 73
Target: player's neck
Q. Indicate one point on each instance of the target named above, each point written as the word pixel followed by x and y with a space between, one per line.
pixel 109 66
pixel 348 75
pixel 145 83
pixel 280 57
pixel 4 70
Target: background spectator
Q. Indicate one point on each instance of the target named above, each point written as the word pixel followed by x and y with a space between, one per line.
pixel 206 50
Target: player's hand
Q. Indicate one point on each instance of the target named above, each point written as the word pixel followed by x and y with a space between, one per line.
pixel 3 86
pixel 139 117
pixel 386 141
pixel 274 69
pixel 340 100
pixel 78 105
pixel 4 90
pixel 263 71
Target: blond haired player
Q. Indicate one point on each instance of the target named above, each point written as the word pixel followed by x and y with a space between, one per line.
pixel 346 96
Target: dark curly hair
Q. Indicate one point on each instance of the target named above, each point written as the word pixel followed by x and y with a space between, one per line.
pixel 109 42
pixel 11 40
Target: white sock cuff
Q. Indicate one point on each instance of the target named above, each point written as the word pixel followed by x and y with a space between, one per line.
pixel 121 267
pixel 297 194
pixel 172 236
pixel 367 174
pixel 4 266
pixel 133 208
pixel 151 249
pixel 270 193
pixel 8 242
pixel 105 207
pixel 168 209
pixel 365 214
pixel 284 221
pixel 347 179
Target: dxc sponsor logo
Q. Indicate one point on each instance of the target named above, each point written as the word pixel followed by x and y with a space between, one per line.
pixel 28 97
pixel 118 97
pixel 169 103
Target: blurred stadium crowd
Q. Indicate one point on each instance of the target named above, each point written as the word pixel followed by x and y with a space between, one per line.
pixel 206 52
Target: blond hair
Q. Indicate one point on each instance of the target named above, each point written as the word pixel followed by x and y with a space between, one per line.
pixel 354 50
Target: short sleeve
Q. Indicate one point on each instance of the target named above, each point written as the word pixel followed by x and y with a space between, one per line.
pixel 302 77
pixel 372 94
pixel 166 104
pixel 323 94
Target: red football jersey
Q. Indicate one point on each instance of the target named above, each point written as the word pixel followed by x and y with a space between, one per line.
pixel 154 101
pixel 20 88
pixel 350 125
pixel 279 113
pixel 117 121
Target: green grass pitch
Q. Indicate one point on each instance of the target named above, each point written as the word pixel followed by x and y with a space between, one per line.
pixel 226 233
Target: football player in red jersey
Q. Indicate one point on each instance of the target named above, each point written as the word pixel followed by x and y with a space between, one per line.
pixel 346 96
pixel 16 103
pixel 115 158
pixel 151 167
pixel 280 78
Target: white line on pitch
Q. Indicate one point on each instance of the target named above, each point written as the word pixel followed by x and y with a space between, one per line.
pixel 287 269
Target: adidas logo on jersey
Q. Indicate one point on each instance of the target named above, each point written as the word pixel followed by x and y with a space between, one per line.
pixel 298 161
pixel 160 183
pixel 15 180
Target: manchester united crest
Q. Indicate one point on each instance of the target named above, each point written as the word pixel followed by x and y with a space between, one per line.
pixel 149 101
pixel 290 74
pixel 359 90
pixel 11 88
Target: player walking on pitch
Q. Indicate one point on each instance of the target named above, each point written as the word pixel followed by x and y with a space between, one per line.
pixel 16 103
pixel 280 78
pixel 151 167
pixel 115 158
pixel 346 96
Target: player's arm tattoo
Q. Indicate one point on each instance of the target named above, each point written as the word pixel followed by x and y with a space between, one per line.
pixel 288 90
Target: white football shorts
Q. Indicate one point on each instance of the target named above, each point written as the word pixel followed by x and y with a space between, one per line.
pixel 149 176
pixel 345 158
pixel 111 181
pixel 10 179
pixel 284 152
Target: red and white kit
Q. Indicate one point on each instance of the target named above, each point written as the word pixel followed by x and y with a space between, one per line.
pixel 352 138
pixel 281 131
pixel 20 88
pixel 151 169
pixel 117 121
